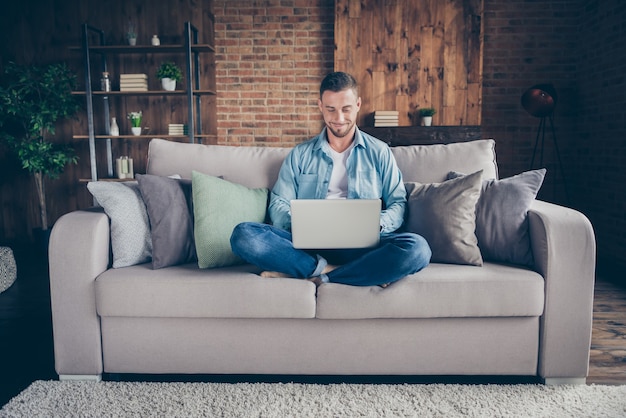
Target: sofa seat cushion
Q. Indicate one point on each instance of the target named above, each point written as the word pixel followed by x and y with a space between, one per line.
pixel 188 292
pixel 440 291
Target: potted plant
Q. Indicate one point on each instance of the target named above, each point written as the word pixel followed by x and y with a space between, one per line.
pixel 32 100
pixel 135 122
pixel 131 33
pixel 426 114
pixel 169 73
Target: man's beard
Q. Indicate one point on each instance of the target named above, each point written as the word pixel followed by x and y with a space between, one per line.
pixel 343 133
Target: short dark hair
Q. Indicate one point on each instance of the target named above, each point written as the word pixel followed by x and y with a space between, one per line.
pixel 339 81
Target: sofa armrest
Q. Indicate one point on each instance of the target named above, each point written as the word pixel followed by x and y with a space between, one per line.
pixel 564 248
pixel 78 253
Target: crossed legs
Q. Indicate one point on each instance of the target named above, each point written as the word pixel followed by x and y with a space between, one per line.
pixel 270 248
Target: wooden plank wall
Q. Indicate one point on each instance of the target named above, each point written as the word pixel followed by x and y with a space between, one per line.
pixel 43 31
pixel 409 54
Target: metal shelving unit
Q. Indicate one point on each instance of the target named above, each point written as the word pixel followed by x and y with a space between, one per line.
pixel 193 91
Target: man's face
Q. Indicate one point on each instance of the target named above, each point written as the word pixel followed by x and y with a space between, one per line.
pixel 340 110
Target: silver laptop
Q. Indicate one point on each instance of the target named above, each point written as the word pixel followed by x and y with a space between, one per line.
pixel 335 223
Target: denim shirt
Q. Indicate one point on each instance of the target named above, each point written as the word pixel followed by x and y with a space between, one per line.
pixel 372 174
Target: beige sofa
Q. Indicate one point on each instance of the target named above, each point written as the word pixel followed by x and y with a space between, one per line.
pixel 449 319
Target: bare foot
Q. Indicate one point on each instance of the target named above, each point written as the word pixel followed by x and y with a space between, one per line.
pixel 270 274
pixel 329 268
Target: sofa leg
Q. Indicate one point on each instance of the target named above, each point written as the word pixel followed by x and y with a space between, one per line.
pixel 555 381
pixel 81 377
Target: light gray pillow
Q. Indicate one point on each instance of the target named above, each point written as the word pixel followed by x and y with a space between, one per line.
pixel 130 231
pixel 171 223
pixel 445 215
pixel 502 216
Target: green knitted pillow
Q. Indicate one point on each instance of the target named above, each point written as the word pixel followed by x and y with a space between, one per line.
pixel 218 207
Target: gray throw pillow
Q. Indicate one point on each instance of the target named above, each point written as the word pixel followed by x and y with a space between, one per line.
pixel 502 216
pixel 445 215
pixel 171 223
pixel 130 230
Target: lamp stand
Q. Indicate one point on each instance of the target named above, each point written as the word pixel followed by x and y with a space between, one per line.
pixel 541 135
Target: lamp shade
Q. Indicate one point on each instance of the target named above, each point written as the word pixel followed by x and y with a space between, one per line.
pixel 540 100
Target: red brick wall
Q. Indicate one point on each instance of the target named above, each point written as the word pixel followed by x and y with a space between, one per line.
pixel 271 57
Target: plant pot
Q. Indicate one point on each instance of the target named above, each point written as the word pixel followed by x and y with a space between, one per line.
pixel 427 120
pixel 136 130
pixel 168 84
pixel 132 41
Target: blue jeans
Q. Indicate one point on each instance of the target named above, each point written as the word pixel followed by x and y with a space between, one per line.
pixel 270 248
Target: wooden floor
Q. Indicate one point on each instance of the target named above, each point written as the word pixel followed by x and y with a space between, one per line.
pixel 607 362
pixel 26 352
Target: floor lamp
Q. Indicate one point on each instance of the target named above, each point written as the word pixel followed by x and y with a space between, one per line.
pixel 540 101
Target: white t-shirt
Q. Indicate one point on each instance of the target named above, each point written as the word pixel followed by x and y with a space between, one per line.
pixel 338 185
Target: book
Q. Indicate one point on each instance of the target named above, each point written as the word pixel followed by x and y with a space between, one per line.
pixel 133 86
pixel 386 113
pixel 177 129
pixel 382 124
pixel 385 117
pixel 145 88
pixel 133 76
pixel 133 83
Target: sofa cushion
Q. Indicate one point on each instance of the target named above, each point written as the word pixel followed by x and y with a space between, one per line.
pixel 502 216
pixel 168 203
pixel 256 167
pixel 130 228
pixel 445 215
pixel 188 292
pixel 440 291
pixel 253 167
pixel 219 206
pixel 432 163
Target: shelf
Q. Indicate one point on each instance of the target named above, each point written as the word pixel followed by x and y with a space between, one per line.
pixel 113 179
pixel 148 136
pixel 146 93
pixel 191 90
pixel 422 135
pixel 145 49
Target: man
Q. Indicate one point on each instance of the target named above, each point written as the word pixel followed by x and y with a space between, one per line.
pixel 341 162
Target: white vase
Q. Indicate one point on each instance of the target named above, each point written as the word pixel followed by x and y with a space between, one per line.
pixel 136 130
pixel 114 130
pixel 168 84
pixel 428 120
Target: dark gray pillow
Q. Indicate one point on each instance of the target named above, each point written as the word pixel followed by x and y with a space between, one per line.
pixel 167 203
pixel 502 216
pixel 445 215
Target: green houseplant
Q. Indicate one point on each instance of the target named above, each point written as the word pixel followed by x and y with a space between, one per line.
pixel 169 73
pixel 427 111
pixel 426 114
pixel 131 33
pixel 135 121
pixel 32 100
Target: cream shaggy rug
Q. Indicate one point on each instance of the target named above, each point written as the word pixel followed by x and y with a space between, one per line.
pixel 130 399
